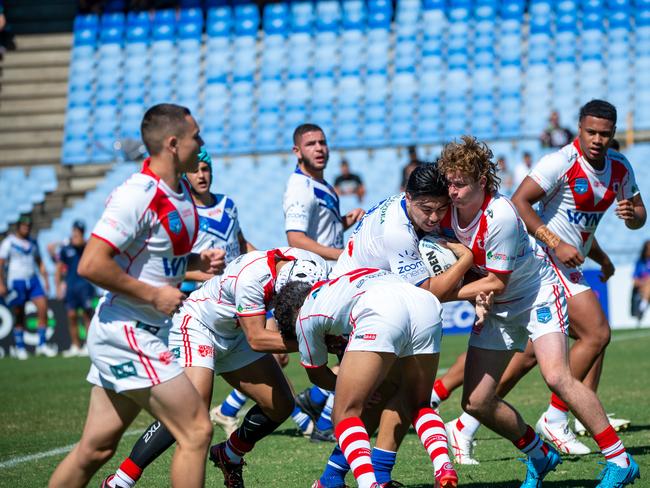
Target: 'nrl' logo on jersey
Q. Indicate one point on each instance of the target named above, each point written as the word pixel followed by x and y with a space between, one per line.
pixel 591 219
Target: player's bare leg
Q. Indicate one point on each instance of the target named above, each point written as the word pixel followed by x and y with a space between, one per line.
pixel 360 375
pixel 552 353
pixel 451 380
pixel 264 382
pixel 178 405
pixel 157 438
pixel 109 414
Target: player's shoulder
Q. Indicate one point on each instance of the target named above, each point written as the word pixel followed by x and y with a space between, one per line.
pixel 619 158
pixel 500 208
pixel 562 159
pixel 137 190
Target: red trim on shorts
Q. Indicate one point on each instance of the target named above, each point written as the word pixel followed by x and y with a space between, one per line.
pixel 146 362
pixel 107 242
pixel 559 273
pixel 558 306
pixel 187 346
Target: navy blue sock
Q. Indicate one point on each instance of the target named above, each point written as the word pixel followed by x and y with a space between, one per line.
pixel 383 462
pixel 335 470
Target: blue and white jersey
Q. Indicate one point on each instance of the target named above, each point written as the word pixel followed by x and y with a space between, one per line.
pixel 219 227
pixel 312 206
pixel 385 239
pixel 20 256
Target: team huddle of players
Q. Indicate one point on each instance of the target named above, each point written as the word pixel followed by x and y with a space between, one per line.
pixel 370 300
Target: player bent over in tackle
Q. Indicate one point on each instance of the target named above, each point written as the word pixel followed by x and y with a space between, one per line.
pixel 149 222
pixel 220 329
pixel 391 324
pixel 529 303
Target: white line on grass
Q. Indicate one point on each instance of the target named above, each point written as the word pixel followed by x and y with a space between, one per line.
pixel 11 462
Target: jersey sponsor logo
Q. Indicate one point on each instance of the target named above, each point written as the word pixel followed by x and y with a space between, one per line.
pixel 247 308
pixel 124 370
pixel 580 186
pixel 206 351
pixel 176 351
pixel 366 337
pixel 499 256
pixel 175 222
pixel 544 315
pixel 264 278
pixel 166 357
pixel 175 266
pixel 591 219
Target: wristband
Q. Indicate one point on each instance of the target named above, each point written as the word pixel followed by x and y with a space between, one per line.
pixel 547 236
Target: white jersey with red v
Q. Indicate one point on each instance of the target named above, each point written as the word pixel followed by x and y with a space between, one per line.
pixel 500 244
pixel 576 195
pixel 245 289
pixel 152 228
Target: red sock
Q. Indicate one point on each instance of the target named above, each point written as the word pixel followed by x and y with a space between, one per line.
pixel 353 440
pixel 558 403
pixel 612 447
pixel 441 390
pixel 531 444
pixel 236 448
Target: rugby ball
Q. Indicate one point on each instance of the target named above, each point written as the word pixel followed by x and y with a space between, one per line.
pixel 436 256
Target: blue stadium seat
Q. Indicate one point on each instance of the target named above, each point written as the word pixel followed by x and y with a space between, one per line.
pixel 354 15
pixel 324 89
pixel 219 22
pixel 431 86
pixel 404 87
pixel 302 16
pixel 75 151
pixel 350 90
pixel 298 93
pixel 328 16
pixel 276 18
pixel 509 120
pixel 376 88
pixel 247 20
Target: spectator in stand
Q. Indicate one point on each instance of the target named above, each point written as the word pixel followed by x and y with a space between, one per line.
pixel 555 135
pixel 641 286
pixel 504 173
pixel 522 169
pixel 77 292
pixel 348 183
pixel 413 163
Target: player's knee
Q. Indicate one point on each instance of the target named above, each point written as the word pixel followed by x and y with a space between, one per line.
pixel 475 405
pixel 95 455
pixel 200 434
pixel 559 381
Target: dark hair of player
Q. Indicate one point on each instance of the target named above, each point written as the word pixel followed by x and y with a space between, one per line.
pixel 427 180
pixel 600 109
pixel 303 129
pixel 472 158
pixel 161 121
pixel 287 304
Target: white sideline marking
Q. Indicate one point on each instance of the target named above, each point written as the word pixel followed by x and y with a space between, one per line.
pixel 11 462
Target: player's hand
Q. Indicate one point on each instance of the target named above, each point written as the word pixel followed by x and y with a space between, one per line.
pixel 168 299
pixel 213 261
pixel 483 306
pixel 335 344
pixel 353 216
pixel 607 270
pixel 459 249
pixel 625 210
pixel 569 255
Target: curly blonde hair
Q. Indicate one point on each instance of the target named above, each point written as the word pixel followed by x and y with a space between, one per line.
pixel 472 158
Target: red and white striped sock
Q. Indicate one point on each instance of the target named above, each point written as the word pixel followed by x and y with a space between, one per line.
pixel 126 475
pixel 558 411
pixel 531 444
pixel 431 430
pixel 612 447
pixel 354 442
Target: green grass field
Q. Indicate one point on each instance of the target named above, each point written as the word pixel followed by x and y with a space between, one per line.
pixel 44 405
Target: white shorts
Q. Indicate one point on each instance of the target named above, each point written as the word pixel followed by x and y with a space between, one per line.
pixel 126 356
pixel 194 344
pixel 547 315
pixel 572 279
pixel 403 320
